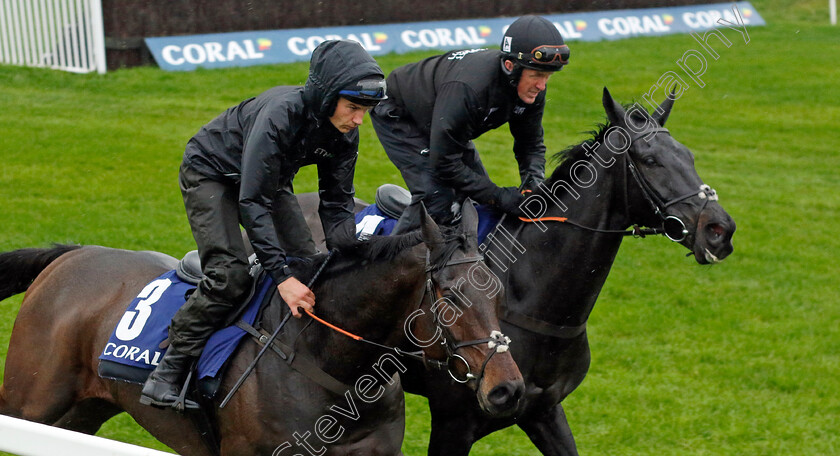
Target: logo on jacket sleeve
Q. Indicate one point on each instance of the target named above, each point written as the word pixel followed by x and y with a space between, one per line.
pixel 323 152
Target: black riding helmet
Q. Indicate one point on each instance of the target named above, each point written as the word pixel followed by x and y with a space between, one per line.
pixel 534 42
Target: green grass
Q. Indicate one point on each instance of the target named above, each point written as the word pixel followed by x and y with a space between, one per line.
pixel 742 358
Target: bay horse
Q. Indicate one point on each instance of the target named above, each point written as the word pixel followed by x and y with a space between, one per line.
pixel 554 263
pixel 383 289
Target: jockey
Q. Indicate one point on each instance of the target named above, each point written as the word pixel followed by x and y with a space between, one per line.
pixel 437 106
pixel 238 169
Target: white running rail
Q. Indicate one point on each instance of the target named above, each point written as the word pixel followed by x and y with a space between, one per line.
pixel 25 438
pixel 60 34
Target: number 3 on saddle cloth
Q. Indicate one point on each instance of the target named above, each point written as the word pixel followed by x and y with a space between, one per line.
pixel 391 200
pixel 134 348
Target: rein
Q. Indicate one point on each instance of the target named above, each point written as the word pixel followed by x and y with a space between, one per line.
pixel 497 342
pixel 657 203
pixel 637 231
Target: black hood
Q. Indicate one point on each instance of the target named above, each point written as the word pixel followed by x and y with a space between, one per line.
pixel 334 65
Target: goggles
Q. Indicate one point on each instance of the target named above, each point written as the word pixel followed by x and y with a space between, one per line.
pixel 555 56
pixel 367 89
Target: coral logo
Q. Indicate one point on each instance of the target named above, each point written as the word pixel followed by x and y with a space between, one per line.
pixel 484 31
pixel 747 12
pixel 380 37
pixel 667 18
pixel 263 44
pixel 580 26
pixel 211 52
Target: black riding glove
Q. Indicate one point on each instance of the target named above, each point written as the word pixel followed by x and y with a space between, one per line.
pixel 508 199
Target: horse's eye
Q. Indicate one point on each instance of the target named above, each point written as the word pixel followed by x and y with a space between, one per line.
pixel 650 161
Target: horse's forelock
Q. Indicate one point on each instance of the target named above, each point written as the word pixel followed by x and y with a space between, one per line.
pixel 454 239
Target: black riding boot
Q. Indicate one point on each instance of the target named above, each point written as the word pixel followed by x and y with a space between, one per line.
pixel 163 387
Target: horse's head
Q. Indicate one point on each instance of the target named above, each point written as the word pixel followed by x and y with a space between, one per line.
pixel 460 330
pixel 663 188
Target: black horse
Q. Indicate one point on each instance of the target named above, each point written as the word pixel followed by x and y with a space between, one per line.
pixel 554 264
pixel 385 290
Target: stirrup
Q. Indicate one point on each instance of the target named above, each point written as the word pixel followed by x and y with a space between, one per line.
pixel 181 403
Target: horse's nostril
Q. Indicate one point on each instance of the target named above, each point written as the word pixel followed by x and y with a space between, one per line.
pixel 518 392
pixel 501 394
pixel 714 232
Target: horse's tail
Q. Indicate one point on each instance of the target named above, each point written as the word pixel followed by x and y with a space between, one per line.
pixel 19 268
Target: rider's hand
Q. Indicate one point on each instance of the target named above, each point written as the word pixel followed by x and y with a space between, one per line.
pixel 296 294
pixel 508 200
pixel 531 183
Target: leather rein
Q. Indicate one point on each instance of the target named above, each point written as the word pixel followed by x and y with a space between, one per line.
pixel 672 227
pixel 496 342
pixel 657 203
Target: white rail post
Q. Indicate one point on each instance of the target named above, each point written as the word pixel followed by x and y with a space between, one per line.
pixel 98 30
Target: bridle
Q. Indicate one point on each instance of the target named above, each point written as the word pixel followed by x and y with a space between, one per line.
pixel 497 342
pixel 672 226
pixel 659 204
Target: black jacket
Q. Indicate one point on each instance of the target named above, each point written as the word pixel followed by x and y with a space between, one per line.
pixel 261 144
pixel 455 98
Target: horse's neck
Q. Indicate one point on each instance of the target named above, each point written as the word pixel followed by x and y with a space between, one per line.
pixel 557 274
pixel 371 302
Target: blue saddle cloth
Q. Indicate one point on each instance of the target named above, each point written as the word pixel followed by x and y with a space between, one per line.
pixel 371 220
pixel 134 348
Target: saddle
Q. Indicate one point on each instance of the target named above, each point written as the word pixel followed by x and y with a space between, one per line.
pixel 392 200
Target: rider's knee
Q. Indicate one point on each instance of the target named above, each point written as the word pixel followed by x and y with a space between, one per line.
pixel 231 284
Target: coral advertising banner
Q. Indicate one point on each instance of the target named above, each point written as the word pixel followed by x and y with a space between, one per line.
pixel 178 53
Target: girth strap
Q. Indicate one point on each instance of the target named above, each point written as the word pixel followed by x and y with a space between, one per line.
pixel 298 362
pixel 540 327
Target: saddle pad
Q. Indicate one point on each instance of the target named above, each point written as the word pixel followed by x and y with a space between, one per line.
pixel 134 348
pixel 371 220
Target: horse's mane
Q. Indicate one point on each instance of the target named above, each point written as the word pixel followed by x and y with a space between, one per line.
pixel 376 248
pixel 578 151
pixel 352 253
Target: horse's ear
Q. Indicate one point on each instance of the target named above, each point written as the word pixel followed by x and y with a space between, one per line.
pixel 615 113
pixel 469 217
pixel 661 114
pixel 428 228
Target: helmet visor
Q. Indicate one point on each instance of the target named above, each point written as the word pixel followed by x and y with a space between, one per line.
pixel 366 91
pixel 549 58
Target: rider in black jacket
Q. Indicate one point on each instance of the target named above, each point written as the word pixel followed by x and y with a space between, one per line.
pixel 238 169
pixel 437 106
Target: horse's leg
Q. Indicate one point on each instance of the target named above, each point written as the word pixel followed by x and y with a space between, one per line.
pixel 550 432
pixel 41 383
pixel 88 416
pixel 175 430
pixel 452 434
